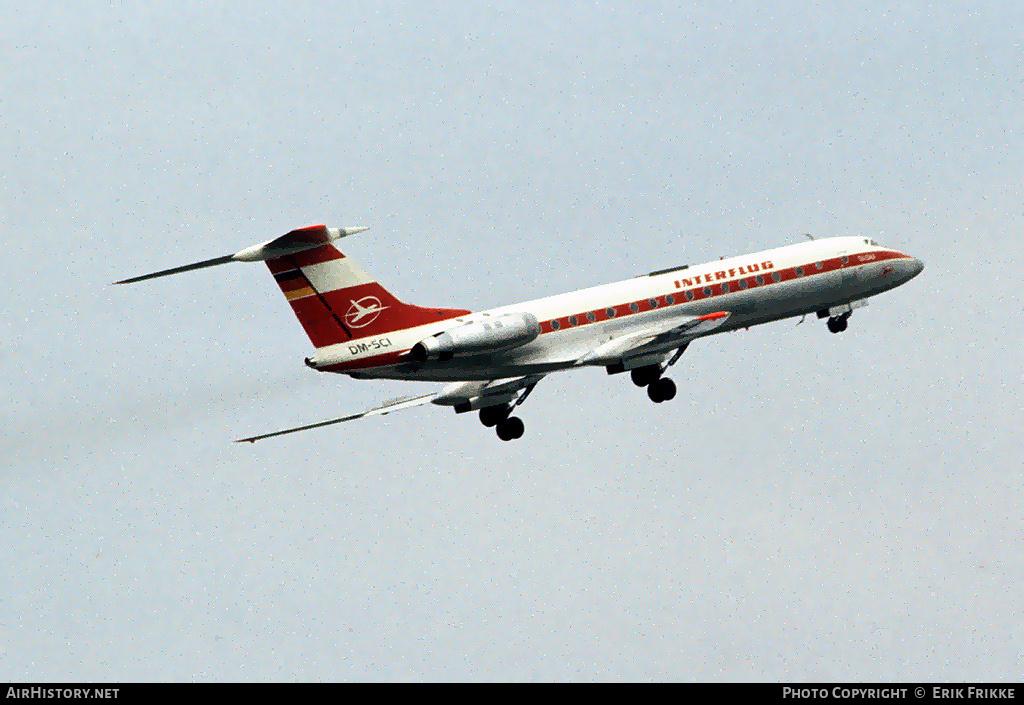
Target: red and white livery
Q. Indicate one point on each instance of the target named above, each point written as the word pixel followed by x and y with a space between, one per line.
pixel 493 359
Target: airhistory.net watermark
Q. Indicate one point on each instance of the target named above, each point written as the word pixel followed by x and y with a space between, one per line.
pixel 64 693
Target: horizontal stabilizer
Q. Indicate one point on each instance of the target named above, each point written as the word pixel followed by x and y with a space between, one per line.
pixel 177 270
pixel 289 244
pixel 295 241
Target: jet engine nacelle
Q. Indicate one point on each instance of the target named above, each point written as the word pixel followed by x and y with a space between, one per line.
pixel 489 335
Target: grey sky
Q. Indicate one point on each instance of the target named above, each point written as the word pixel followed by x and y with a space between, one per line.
pixel 811 506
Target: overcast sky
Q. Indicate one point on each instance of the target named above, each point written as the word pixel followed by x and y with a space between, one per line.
pixel 811 506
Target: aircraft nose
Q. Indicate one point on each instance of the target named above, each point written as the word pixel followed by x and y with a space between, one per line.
pixel 916 267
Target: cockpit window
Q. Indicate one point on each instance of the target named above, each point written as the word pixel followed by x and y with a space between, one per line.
pixel 871 242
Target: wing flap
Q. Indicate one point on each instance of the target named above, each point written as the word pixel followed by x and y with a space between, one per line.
pixel 670 331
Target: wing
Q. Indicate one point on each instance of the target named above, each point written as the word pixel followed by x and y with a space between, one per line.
pixel 463 396
pixel 387 408
pixel 670 333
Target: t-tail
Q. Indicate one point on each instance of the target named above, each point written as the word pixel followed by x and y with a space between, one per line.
pixel 333 298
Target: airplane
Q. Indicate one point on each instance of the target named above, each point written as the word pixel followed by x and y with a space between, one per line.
pixel 492 360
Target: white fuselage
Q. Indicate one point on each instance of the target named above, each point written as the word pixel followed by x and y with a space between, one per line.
pixel 756 288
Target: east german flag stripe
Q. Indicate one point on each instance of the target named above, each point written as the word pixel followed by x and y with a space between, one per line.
pixel 294 284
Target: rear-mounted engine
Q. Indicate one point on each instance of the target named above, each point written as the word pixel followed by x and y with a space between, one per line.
pixel 488 335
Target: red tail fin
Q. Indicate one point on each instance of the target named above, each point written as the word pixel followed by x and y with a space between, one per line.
pixel 336 301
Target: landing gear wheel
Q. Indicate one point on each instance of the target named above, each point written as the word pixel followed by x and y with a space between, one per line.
pixel 511 429
pixel 663 389
pixel 652 392
pixel 643 376
pixel 666 389
pixel 838 324
pixel 493 415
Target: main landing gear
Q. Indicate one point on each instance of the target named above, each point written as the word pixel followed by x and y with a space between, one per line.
pixel 659 388
pixel 509 428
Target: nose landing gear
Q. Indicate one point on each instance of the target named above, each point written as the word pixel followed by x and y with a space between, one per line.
pixel 838 316
pixel 837 324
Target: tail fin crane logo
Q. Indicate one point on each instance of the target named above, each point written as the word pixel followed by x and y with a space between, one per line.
pixel 364 312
